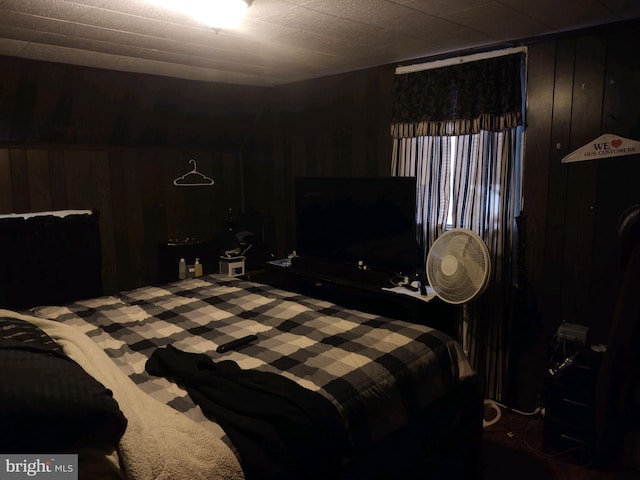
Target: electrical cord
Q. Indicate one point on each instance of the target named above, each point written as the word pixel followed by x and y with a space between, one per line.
pixel 512 434
pixel 554 456
pixel 534 412
pixel 495 406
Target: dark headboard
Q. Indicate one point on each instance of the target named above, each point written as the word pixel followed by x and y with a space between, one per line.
pixel 49 259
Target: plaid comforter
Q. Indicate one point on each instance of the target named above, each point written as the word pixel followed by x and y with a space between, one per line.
pixel 379 373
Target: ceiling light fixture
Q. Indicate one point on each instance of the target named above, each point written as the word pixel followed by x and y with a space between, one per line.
pixel 217 14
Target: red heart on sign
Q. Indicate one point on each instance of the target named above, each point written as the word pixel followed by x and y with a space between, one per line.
pixel 616 143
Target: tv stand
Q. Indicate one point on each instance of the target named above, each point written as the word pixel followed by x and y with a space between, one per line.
pixel 340 271
pixel 360 290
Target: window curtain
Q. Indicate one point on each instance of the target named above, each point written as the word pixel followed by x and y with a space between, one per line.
pixel 426 158
pixel 460 99
pixel 485 200
pixel 480 104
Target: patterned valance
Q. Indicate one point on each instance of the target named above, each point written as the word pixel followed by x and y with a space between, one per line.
pixel 459 100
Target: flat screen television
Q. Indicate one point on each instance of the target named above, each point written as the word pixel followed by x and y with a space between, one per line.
pixel 348 220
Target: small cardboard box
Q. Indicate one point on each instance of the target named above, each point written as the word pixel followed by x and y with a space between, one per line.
pixel 232 266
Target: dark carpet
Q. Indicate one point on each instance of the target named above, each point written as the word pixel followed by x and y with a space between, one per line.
pixel 514 448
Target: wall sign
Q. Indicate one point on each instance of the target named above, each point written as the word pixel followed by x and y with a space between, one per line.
pixel 604 146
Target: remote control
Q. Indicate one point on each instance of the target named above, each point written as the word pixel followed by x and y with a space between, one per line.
pixel 232 345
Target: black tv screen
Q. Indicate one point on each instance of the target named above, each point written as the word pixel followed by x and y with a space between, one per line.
pixel 358 219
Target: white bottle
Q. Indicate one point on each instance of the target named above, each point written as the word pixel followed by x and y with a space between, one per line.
pixel 182 269
pixel 197 268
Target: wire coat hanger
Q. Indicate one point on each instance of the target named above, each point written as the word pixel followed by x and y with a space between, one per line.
pixel 193 178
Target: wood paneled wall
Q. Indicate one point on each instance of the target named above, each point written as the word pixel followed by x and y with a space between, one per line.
pixel 49 103
pixel 84 138
pixel 133 191
pixel 337 125
pixel 579 87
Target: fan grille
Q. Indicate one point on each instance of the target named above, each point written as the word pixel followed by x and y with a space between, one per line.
pixel 458 266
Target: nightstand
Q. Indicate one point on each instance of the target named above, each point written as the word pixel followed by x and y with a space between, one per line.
pixel 170 253
pixel 569 400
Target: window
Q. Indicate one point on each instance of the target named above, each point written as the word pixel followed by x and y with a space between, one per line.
pixel 459 130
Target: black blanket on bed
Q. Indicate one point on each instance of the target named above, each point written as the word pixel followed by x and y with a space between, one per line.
pixel 48 403
pixel 281 430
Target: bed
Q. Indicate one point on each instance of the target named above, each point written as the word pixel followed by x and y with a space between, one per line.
pixel 323 391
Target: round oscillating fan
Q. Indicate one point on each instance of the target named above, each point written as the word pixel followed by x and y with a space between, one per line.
pixel 458 266
pixel 458 269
